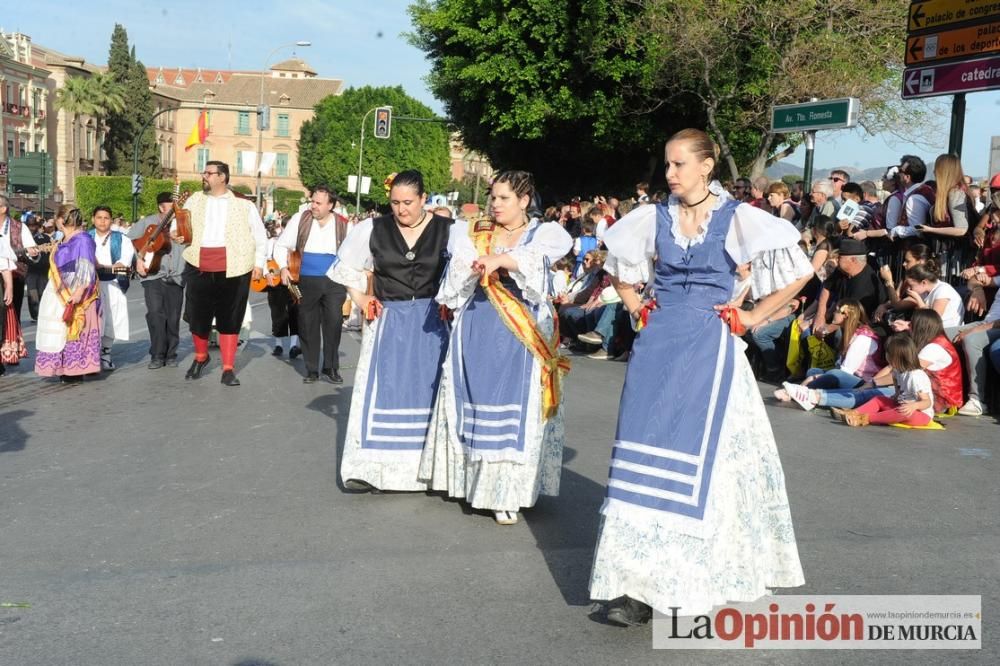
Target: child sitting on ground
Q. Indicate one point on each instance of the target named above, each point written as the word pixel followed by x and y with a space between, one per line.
pixel 913 403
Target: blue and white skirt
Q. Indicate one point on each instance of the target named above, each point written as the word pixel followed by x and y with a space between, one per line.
pixel 395 390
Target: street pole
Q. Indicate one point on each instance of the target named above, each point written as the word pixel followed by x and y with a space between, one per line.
pixel 361 154
pixel 260 104
pixel 956 135
pixel 810 141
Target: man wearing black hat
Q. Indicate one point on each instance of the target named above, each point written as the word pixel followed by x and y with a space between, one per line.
pixel 855 279
pixel 164 289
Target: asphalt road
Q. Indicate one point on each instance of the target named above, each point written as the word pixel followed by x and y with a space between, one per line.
pixel 149 520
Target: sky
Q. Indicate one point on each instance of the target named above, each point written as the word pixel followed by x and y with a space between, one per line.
pixel 362 42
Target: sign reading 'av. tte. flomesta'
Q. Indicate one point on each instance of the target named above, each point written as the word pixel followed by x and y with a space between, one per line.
pixel 824 114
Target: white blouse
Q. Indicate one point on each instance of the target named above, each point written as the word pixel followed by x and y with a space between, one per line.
pixel 770 244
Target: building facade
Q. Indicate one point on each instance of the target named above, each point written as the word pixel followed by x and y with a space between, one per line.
pixel 291 89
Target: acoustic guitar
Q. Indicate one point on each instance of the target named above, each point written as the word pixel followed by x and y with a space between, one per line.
pixel 270 278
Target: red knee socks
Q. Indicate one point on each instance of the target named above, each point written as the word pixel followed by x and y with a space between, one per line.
pixel 227 346
pixel 200 347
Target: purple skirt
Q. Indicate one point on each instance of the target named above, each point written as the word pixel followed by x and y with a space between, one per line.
pixel 79 357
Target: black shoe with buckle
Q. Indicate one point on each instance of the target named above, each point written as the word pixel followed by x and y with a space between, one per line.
pixel 333 374
pixel 197 367
pixel 294 352
pixel 229 378
pixel 627 612
pixel 310 378
pixel 278 351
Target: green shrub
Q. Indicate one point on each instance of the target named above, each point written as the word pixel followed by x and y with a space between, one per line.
pixel 116 193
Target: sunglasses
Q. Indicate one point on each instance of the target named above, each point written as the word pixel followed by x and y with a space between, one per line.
pixel 838 180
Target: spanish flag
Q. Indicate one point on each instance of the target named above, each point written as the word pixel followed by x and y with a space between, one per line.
pixel 199 132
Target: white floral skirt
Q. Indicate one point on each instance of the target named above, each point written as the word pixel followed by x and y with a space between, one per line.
pixel 398 473
pixel 494 486
pixel 750 547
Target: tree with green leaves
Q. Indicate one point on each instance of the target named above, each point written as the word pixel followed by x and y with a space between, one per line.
pixel 739 58
pixel 586 93
pixel 329 142
pixel 97 96
pixel 124 125
pixel 551 86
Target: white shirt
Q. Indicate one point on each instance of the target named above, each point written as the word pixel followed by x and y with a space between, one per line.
pixel 322 239
pixel 602 227
pixel 915 209
pixel 935 356
pixel 893 210
pixel 954 311
pixel 216 217
pixel 858 359
pixel 27 240
pixel 8 260
pixel 911 384
pixel 104 250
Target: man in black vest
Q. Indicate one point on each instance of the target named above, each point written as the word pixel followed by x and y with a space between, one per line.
pixel 316 234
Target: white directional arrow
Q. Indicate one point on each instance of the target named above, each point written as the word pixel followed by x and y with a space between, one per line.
pixel 912 82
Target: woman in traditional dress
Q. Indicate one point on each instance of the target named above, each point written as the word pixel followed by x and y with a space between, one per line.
pixel 8 264
pixel 696 512
pixel 500 424
pixel 68 337
pixel 396 382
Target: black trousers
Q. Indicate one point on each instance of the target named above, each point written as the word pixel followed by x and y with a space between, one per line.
pixel 35 283
pixel 284 312
pixel 214 296
pixel 18 295
pixel 163 317
pixel 321 310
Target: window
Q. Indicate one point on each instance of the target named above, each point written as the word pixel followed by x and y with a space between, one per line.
pixel 8 94
pixel 202 159
pixel 239 162
pixel 22 146
pixel 88 150
pixel 10 148
pixel 281 165
pixel 243 123
pixel 282 124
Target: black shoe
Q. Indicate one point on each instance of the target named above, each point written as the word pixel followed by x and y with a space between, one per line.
pixel 155 364
pixel 294 352
pixel 229 378
pixel 333 375
pixel 71 379
pixel 171 362
pixel 278 351
pixel 310 378
pixel 194 372
pixel 627 612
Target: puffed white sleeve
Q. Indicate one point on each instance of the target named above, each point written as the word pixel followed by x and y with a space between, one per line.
pixel 548 244
pixel 459 282
pixel 354 258
pixel 631 243
pixel 771 246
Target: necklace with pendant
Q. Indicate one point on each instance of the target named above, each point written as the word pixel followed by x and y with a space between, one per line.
pixel 411 255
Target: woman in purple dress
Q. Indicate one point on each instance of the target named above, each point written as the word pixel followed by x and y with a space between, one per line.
pixel 69 319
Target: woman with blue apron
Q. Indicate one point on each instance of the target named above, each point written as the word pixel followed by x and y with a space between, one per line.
pixel 500 418
pixel 696 512
pixel 403 346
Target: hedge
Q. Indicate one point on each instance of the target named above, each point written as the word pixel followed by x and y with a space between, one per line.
pixel 116 193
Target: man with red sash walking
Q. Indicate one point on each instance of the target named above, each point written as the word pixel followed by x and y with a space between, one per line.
pixel 228 247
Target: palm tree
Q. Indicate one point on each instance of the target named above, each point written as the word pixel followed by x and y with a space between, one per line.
pixel 95 96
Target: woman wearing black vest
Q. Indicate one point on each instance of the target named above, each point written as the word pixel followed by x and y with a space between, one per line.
pixel 402 256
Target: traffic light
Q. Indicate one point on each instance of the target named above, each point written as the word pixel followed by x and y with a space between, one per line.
pixel 136 183
pixel 383 122
pixel 263 118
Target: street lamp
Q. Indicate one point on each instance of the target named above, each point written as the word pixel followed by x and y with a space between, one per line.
pixel 260 110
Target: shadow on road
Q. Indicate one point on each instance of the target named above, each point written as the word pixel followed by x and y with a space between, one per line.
pixel 565 529
pixel 337 406
pixel 14 437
